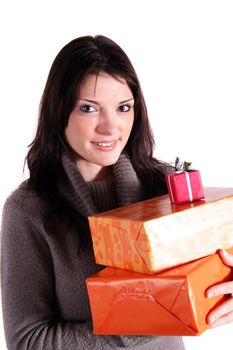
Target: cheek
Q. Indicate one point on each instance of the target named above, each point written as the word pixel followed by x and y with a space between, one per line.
pixel 129 124
pixel 71 132
pixel 77 129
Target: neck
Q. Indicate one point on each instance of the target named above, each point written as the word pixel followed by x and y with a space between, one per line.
pixel 95 173
pixel 105 173
pixel 126 184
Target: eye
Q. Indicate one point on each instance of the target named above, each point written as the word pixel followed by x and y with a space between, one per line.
pixel 87 109
pixel 124 108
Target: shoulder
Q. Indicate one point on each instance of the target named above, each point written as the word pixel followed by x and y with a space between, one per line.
pixel 154 177
pixel 24 196
pixel 25 201
pixel 161 166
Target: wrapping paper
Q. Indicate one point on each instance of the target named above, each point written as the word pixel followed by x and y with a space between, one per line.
pixel 185 186
pixel 169 303
pixel 154 235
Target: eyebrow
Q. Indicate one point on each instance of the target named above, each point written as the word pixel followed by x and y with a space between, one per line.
pixel 96 102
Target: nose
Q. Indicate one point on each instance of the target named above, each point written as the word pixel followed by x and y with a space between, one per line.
pixel 107 124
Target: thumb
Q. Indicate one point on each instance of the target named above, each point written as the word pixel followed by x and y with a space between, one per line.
pixel 226 257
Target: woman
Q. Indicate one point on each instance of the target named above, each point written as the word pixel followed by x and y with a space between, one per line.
pixel 92 152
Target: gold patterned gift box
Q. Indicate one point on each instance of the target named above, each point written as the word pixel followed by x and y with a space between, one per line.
pixel 154 235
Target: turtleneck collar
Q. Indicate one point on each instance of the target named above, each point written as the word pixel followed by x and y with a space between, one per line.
pixel 77 192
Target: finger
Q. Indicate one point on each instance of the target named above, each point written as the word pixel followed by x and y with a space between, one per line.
pixel 226 257
pixel 220 289
pixel 222 313
pixel 222 320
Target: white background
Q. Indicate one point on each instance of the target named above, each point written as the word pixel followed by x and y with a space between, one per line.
pixel 183 54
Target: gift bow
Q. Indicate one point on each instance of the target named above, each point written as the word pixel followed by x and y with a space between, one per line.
pixel 182 165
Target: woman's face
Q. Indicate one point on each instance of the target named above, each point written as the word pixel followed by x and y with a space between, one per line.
pixel 100 123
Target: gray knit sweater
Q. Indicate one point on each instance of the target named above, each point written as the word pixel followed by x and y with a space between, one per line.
pixel 44 296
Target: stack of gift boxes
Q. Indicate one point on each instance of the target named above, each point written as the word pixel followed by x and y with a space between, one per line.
pixel 161 255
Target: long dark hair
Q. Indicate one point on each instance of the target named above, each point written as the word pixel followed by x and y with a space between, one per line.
pixel 83 56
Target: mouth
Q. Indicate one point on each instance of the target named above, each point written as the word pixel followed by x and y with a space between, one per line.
pixel 105 145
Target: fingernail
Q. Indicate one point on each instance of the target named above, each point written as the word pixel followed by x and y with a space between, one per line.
pixel 224 252
pixel 210 294
pixel 211 319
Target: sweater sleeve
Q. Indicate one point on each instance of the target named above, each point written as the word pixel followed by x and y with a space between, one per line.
pixel 29 312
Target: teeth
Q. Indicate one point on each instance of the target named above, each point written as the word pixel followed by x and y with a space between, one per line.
pixel 104 144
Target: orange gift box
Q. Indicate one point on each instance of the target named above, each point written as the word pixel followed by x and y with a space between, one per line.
pixel 169 303
pixel 153 235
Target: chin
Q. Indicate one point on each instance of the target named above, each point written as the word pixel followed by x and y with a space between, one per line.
pixel 109 161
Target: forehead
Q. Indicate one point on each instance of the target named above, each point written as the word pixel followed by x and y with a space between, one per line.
pixel 102 85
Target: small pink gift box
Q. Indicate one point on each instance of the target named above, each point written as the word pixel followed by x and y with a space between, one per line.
pixel 185 186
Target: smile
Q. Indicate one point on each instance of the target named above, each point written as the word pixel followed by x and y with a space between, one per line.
pixel 106 145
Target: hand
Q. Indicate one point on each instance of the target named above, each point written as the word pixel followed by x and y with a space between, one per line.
pixel 222 313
